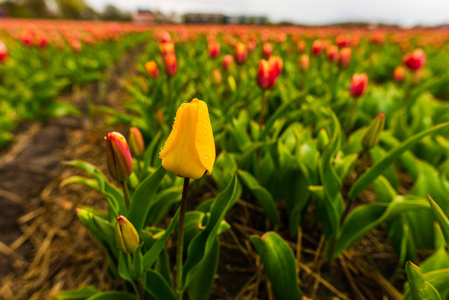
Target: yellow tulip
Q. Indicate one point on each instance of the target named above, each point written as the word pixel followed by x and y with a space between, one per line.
pixel 189 151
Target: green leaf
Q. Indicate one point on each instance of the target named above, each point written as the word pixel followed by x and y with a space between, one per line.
pixel 60 109
pixel 202 244
pixel 80 294
pixel 366 217
pixel 143 198
pixel 420 288
pixel 262 195
pixel 279 264
pixel 164 201
pixel 279 113
pixel 441 218
pixel 151 255
pixel 156 285
pixel 89 182
pixel 203 281
pixel 113 296
pixel 112 194
pixel 367 178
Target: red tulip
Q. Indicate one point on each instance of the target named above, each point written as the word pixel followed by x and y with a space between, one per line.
pixel 399 74
pixel 268 72
pixel 332 53
pixel 304 62
pixel 317 47
pixel 171 64
pixel 301 46
pixel 3 51
pixel 358 85
pixel 267 50
pixel 214 49
pixel 240 53
pixel 228 60
pixel 343 41
pixel 344 58
pixel 152 69
pixel 415 60
pixel 120 163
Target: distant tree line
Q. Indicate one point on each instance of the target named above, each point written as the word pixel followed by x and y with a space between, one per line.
pixel 60 9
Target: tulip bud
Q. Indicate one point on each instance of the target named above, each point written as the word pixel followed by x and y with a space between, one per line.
pixel 240 53
pixel 344 58
pixel 3 51
pixel 301 46
pixel 120 163
pixel 231 83
pixel 267 50
pixel 323 140
pixel 228 60
pixel 304 62
pixel 277 64
pixel 165 37
pixel 317 47
pixel 152 69
pixel 214 49
pixel 126 235
pixel 332 53
pixel 415 60
pixel 374 132
pixel 171 64
pixel 358 85
pixel 343 41
pixel 189 151
pixel 252 44
pixel 399 74
pixel 216 76
pixel 166 48
pixel 136 142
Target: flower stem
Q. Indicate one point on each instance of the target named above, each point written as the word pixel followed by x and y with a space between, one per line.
pixel 262 109
pixel 126 193
pixel 180 240
pixel 351 116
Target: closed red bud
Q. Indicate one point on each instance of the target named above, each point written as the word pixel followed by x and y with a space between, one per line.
pixel 252 44
pixel 160 119
pixel 241 53
pixel 377 38
pixel 216 76
pixel 267 74
pixel 343 41
pixel 136 142
pixel 399 74
pixel 301 46
pixel 277 64
pixel 3 51
pixel 267 50
pixel 304 62
pixel 165 37
pixel 332 53
pixel 214 49
pixel 228 60
pixel 119 158
pixel 358 85
pixel 415 60
pixel 166 48
pixel 317 47
pixel 344 58
pixel 171 64
pixel 76 45
pixel 126 235
pixel 152 69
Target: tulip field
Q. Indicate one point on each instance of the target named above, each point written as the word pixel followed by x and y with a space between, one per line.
pixel 203 162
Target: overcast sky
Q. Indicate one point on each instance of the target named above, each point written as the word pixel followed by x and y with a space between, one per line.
pixel 402 12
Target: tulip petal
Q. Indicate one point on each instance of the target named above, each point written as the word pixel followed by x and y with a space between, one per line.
pixel 179 154
pixel 205 144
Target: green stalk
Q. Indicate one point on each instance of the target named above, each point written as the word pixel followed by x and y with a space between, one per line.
pixel 261 117
pixel 351 116
pixel 126 194
pixel 180 240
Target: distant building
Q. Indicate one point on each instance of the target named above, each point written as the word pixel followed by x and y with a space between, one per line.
pixel 143 16
pixel 203 18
